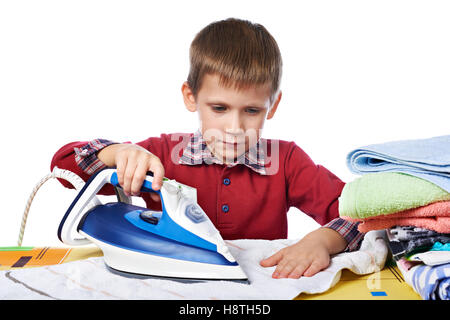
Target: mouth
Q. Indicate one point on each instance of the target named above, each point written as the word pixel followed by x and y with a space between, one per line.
pixel 232 143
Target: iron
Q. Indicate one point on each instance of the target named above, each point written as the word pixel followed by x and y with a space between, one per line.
pixel 179 242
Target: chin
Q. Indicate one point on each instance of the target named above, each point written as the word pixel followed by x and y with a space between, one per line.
pixel 227 152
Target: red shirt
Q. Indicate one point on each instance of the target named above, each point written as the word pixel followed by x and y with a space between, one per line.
pixel 242 203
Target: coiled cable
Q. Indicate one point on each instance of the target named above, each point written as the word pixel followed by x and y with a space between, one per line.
pixel 67 175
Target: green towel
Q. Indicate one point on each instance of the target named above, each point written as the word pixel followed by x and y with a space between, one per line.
pixel 382 193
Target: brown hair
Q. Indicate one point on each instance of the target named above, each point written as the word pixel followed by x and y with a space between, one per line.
pixel 242 53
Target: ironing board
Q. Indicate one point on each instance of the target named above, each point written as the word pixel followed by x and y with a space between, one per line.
pixel 390 284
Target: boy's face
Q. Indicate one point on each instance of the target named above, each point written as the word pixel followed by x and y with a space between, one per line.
pixel 231 120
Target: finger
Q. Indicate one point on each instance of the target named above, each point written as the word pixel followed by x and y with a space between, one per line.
pixel 283 270
pixel 121 164
pixel 155 197
pixel 128 176
pixel 272 260
pixel 298 271
pixel 276 273
pixel 138 178
pixel 158 173
pixel 313 269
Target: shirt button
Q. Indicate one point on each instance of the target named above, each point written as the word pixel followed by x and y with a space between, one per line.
pixel 225 208
pixel 226 181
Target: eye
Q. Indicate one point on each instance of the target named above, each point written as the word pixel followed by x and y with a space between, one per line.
pixel 253 110
pixel 218 108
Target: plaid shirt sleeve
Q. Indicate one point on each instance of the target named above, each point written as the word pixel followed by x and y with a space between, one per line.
pixel 86 156
pixel 347 229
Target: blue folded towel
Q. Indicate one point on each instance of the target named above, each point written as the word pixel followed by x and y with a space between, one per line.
pixel 431 282
pixel 424 158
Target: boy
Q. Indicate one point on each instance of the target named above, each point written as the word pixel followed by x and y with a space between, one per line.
pixel 244 183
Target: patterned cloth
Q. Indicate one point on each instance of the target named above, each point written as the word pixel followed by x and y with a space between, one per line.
pixel 406 233
pixel 405 240
pixel 86 157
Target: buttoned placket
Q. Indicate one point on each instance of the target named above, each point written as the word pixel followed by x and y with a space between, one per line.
pixel 225 207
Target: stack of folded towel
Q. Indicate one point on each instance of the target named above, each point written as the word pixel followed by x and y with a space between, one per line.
pixel 386 199
pixel 405 189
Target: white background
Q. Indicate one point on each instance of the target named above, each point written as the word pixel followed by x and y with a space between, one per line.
pixel 355 73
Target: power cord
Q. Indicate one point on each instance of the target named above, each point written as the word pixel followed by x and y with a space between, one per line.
pixel 67 175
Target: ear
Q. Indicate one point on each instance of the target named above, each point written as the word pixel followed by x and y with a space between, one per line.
pixel 274 107
pixel 188 97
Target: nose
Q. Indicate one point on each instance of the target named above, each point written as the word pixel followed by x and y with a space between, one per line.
pixel 234 125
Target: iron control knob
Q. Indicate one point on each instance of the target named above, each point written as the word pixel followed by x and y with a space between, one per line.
pixel 149 216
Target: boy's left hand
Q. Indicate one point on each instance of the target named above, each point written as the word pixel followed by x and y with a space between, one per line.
pixel 298 260
pixel 306 257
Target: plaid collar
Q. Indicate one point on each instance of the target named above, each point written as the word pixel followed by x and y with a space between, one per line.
pixel 197 152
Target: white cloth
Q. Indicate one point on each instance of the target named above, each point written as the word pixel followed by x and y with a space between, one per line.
pixel 90 279
pixel 432 258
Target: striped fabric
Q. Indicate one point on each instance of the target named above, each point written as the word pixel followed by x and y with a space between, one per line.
pixel 431 282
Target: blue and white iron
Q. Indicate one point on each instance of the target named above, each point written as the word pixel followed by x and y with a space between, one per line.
pixel 179 242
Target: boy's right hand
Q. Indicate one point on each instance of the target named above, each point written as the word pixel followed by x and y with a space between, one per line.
pixel 132 163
